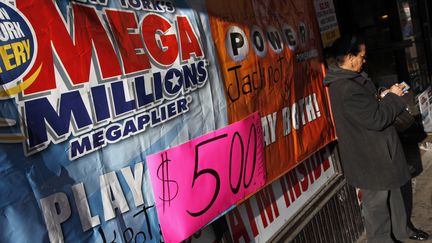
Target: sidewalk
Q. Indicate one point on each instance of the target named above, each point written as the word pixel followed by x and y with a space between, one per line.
pixel 421 217
pixel 422 195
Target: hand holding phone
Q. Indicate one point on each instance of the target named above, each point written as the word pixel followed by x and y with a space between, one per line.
pixel 406 87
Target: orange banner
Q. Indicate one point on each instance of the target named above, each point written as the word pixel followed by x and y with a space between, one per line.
pixel 270 57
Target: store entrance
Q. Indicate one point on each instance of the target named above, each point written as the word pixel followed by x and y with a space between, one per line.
pixel 394 39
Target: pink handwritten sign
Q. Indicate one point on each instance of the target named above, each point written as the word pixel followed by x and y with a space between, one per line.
pixel 196 182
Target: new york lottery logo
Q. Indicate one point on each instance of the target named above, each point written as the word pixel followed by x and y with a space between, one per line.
pixel 18 49
pixel 17 54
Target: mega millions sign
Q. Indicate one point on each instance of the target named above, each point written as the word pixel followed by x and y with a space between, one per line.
pixel 89 88
pixel 113 50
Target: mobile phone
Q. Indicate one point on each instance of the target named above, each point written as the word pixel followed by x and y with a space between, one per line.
pixel 406 87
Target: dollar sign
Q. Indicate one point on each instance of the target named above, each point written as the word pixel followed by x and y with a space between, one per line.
pixel 163 175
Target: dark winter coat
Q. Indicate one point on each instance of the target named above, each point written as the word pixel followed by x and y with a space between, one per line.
pixel 371 152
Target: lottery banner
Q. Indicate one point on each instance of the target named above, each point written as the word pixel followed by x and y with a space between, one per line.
pixel 270 58
pixel 90 88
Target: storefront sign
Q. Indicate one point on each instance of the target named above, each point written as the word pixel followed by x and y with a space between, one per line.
pixel 264 214
pixel 327 21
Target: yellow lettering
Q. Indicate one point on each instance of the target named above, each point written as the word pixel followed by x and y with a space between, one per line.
pixel 6 57
pixel 26 44
pixel 19 53
pixel 15 54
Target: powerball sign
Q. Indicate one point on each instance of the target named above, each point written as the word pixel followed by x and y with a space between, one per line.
pixel 271 61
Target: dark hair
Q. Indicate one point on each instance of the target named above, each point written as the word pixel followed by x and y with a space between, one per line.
pixel 347 44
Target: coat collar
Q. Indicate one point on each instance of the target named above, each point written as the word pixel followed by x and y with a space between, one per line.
pixel 362 78
pixel 335 73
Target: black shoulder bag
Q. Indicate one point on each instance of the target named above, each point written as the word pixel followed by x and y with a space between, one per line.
pixel 403 121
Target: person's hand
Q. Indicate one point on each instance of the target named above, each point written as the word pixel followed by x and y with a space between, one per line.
pixel 383 93
pixel 397 89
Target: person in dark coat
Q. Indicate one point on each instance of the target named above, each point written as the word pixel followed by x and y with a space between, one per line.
pixel 371 153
